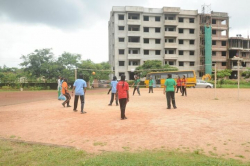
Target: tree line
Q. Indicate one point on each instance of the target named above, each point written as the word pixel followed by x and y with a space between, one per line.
pixel 41 65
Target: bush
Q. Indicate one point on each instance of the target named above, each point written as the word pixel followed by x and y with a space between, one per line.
pixel 6 87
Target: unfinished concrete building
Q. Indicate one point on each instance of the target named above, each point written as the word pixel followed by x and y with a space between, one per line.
pixel 239 50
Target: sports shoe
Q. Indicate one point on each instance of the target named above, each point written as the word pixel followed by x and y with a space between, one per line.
pixel 75 110
pixel 68 106
pixel 110 105
pixel 63 104
pixel 83 112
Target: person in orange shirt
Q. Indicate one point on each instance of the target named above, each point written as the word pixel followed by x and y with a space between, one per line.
pixel 65 92
pixel 184 84
pixel 178 84
pixel 122 92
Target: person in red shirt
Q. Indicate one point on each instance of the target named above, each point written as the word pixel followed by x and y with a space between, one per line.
pixel 178 84
pixel 122 92
pixel 65 92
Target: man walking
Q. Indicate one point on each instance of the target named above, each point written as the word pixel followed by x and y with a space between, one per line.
pixel 169 89
pixel 80 91
pixel 136 85
pixel 59 87
pixel 113 90
pixel 122 92
pixel 151 82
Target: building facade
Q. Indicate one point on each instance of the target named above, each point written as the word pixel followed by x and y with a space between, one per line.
pixel 169 34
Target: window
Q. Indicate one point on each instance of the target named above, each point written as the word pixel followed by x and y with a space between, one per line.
pixel 157 30
pixel 181 52
pixel 121 51
pixel 146 52
pixel 157 41
pixel 223 63
pixel 171 63
pixel 121 63
pixel 134 16
pixel 191 63
pixel 121 28
pixel 171 40
pixel 213 42
pixel 145 29
pixel 181 41
pixel 181 63
pixel 145 40
pixel 181 30
pixel 181 19
pixel 121 39
pixel 191 31
pixel 191 20
pixel 223 53
pixel 191 52
pixel 157 52
pixel 223 43
pixel 121 17
pixel 170 51
pixel 214 32
pixel 134 51
pixel 213 21
pixel 214 53
pixel 121 73
pixel 145 18
pixel 134 28
pixel 191 42
pixel 134 39
pixel 157 18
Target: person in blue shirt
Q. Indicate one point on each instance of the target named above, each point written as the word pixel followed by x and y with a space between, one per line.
pixel 80 91
pixel 113 90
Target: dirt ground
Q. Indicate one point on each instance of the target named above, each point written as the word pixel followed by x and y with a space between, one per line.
pixel 219 127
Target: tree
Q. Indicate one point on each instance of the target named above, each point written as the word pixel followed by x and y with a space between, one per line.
pixel 222 74
pixel 39 63
pixel 102 70
pixel 69 60
pixel 246 74
pixel 153 66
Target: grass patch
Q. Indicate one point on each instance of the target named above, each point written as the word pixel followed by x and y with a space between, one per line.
pixel 14 153
pixel 240 156
pixel 100 143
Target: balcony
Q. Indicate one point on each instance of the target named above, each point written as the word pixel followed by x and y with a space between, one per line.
pixel 214 37
pixel 134 56
pixel 133 22
pixel 134 45
pixel 219 27
pixel 134 33
pixel 130 68
pixel 171 33
pixel 171 45
pixel 171 56
pixel 171 22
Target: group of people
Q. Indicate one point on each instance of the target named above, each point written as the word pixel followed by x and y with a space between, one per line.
pixel 120 91
pixel 79 88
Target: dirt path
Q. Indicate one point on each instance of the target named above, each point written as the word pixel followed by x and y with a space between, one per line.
pixel 219 127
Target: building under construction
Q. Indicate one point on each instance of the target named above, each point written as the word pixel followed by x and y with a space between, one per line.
pixel 214 34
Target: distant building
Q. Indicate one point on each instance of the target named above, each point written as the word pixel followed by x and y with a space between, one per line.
pixel 181 38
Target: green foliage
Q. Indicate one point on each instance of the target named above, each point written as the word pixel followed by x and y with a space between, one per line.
pixel 102 70
pixel 13 153
pixel 6 87
pixel 222 74
pixel 39 63
pixel 153 66
pixel 246 74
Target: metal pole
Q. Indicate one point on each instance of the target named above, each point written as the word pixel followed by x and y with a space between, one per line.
pixel 215 80
pixel 75 74
pixel 238 79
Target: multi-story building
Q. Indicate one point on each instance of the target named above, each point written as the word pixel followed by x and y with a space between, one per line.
pixel 169 34
pixel 239 51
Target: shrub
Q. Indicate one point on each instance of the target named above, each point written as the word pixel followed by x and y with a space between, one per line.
pixel 6 87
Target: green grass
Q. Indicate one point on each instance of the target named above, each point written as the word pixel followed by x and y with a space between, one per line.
pixel 14 153
pixel 233 86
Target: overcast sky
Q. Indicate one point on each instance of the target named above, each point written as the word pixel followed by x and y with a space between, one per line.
pixel 81 26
